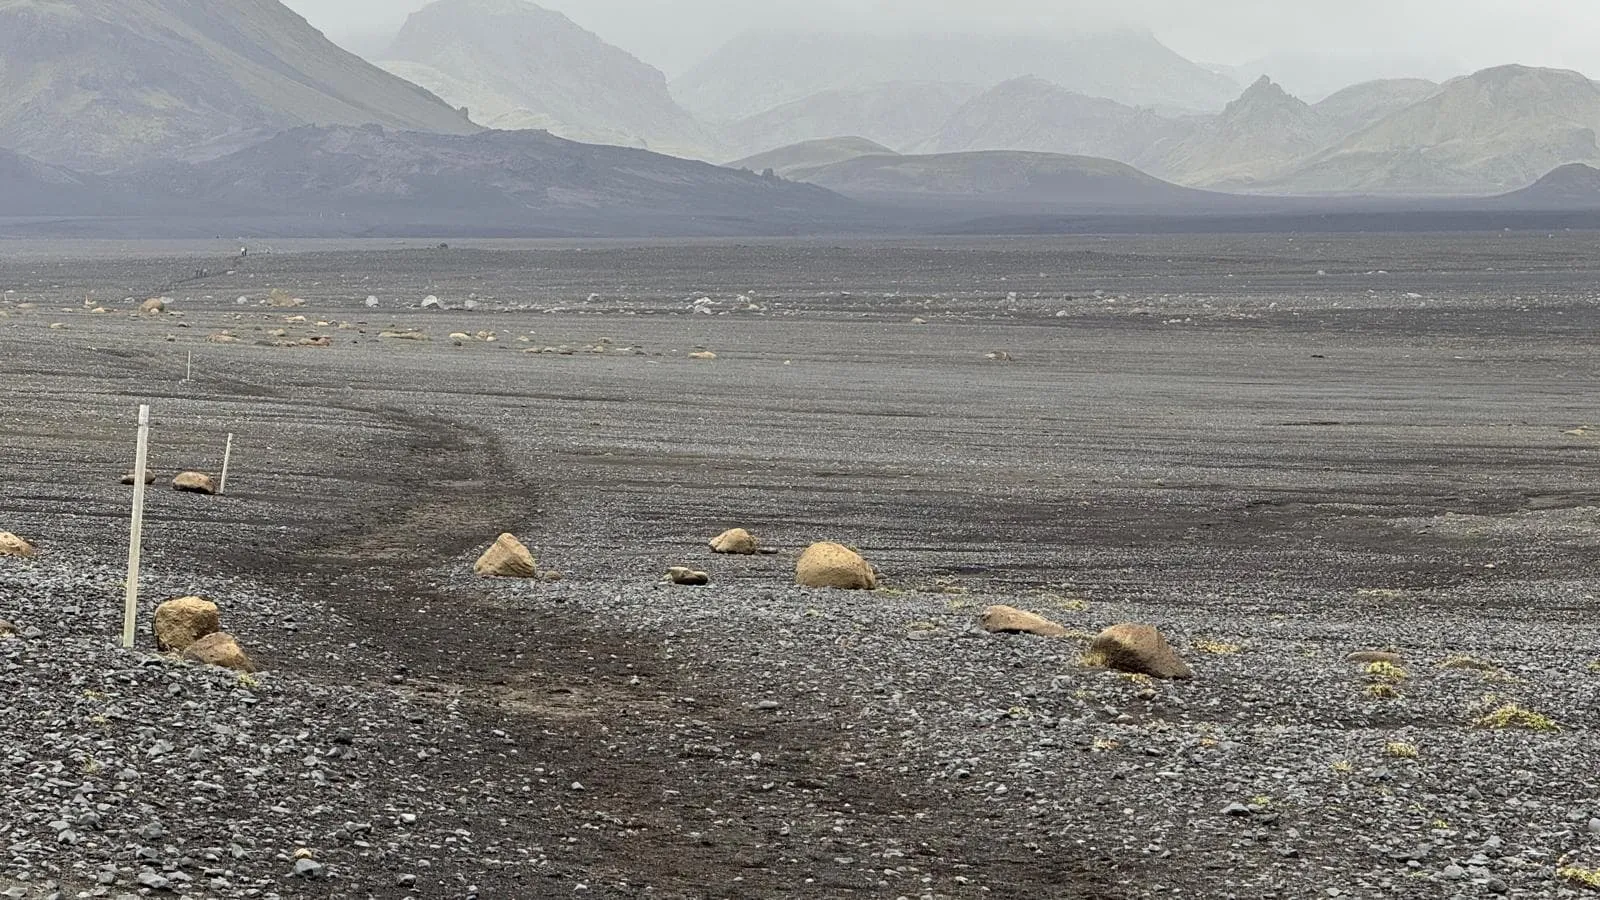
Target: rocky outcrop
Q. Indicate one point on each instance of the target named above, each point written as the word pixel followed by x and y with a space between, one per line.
pixel 181 622
pixel 1137 649
pixel 735 541
pixel 828 565
pixel 1010 620
pixel 507 558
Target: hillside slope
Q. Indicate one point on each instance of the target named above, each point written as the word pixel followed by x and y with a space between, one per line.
pixel 516 65
pixel 96 84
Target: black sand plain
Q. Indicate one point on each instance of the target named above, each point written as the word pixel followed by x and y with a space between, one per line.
pixel 1279 449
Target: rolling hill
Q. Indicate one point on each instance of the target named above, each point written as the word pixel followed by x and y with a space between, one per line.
pixel 97 84
pixel 785 161
pixel 1262 134
pixel 514 65
pixel 896 114
pixel 1006 179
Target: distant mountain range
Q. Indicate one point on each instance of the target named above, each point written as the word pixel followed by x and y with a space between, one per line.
pixel 897 114
pixel 99 84
pixel 763 70
pixel 514 65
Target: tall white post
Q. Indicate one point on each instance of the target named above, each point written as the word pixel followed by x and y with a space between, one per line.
pixel 227 456
pixel 130 608
pixel 188 370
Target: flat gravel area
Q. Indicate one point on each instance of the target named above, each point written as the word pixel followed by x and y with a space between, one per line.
pixel 1279 450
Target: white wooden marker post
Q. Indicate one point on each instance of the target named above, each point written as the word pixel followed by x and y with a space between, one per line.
pixel 130 609
pixel 188 370
pixel 227 456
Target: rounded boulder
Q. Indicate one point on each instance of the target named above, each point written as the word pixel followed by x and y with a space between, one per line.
pixel 735 541
pixel 828 565
pixel 220 649
pixel 180 623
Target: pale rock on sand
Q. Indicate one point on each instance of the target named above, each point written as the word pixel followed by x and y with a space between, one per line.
pixel 686 576
pixel 11 545
pixel 735 541
pixel 507 558
pixel 219 649
pixel 1010 620
pixel 181 622
pixel 195 483
pixel 828 565
pixel 1138 649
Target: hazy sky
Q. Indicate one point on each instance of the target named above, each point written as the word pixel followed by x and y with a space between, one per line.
pixel 673 34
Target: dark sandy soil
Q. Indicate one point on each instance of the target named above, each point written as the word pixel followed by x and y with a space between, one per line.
pixel 1278 450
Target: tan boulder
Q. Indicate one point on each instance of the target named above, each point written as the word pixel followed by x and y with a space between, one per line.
pixel 508 558
pixel 704 355
pixel 1139 649
pixel 11 545
pixel 153 307
pixel 185 620
pixel 686 576
pixel 7 630
pixel 195 483
pixel 736 541
pixel 1368 657
pixel 219 649
pixel 827 565
pixel 149 477
pixel 1010 620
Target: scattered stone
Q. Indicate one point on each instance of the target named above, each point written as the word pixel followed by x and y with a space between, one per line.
pixel 195 483
pixel 181 622
pixel 1368 657
pixel 508 558
pixel 703 355
pixel 402 336
pixel 999 356
pixel 222 337
pixel 828 565
pixel 1138 649
pixel 149 478
pixel 11 545
pixel 155 306
pixel 1010 620
pixel 309 869
pixel 736 541
pixel 686 576
pixel 7 630
pixel 222 650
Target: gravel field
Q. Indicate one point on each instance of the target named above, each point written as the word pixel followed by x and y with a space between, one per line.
pixel 1278 450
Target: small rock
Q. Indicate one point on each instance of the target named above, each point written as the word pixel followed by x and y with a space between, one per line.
pixel 309 869
pixel 1139 649
pixel 149 478
pixel 11 545
pixel 220 650
pixel 735 541
pixel 195 483
pixel 507 558
pixel 181 622
pixel 686 576
pixel 1368 657
pixel 1010 620
pixel 153 307
pixel 828 565
pixel 7 630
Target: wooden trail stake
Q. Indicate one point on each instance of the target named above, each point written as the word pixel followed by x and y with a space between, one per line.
pixel 130 608
pixel 227 456
pixel 188 370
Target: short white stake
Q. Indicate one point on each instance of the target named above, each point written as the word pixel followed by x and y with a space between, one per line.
pixel 188 370
pixel 130 609
pixel 227 457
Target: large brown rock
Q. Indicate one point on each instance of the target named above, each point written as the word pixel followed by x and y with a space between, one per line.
pixel 153 307
pixel 11 545
pixel 1139 649
pixel 1010 620
pixel 828 565
pixel 195 483
pixel 508 558
pixel 220 650
pixel 181 622
pixel 736 541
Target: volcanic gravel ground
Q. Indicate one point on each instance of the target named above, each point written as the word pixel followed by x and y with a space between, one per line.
pixel 1277 450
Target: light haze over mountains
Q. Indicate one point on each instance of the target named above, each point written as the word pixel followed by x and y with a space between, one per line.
pixel 241 110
